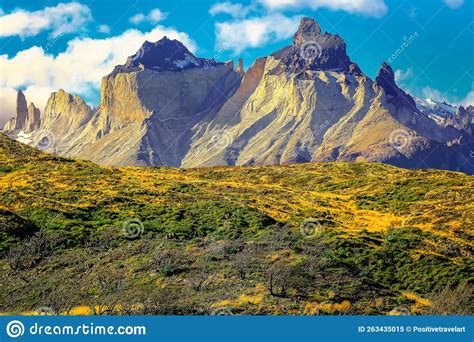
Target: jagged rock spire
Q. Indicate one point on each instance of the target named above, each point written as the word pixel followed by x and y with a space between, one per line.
pixel 386 80
pixel 21 110
pixel 240 67
pixel 33 118
pixel 462 119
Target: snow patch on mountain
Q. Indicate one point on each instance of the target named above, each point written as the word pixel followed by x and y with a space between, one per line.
pixel 438 111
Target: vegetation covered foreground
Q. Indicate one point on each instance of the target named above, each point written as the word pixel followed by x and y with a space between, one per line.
pixel 323 238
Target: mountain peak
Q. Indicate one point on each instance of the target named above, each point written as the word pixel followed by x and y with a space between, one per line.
pixel 26 117
pixel 314 50
pixel 386 80
pixel 21 110
pixel 33 119
pixel 308 28
pixel 461 119
pixel 164 55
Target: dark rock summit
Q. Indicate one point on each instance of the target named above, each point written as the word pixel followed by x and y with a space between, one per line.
pixel 164 55
pixel 314 50
pixel 386 80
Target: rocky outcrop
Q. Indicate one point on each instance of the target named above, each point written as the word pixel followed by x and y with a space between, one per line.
pixel 26 119
pixel 61 126
pixel 303 110
pixel 164 55
pixel 240 67
pixel 21 110
pixel 438 111
pixel 9 125
pixel 314 50
pixel 461 119
pixel 33 119
pixel 386 80
pixel 65 110
pixel 150 105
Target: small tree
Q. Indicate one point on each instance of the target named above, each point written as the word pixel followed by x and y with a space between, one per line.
pixel 31 252
pixel 278 279
pixel 169 262
pixel 244 262
pixel 111 287
pixel 59 300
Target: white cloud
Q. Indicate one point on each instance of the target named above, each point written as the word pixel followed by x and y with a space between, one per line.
pixel 137 18
pixel 78 70
pixel 375 8
pixel 153 17
pixel 435 94
pixel 7 102
pixel 454 4
pixel 468 100
pixel 103 28
pixel 238 35
pixel 60 19
pixel 235 10
pixel 403 75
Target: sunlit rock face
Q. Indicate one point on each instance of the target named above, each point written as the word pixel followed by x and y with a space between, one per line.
pixel 306 102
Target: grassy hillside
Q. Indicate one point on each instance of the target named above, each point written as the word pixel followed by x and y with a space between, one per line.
pixel 325 238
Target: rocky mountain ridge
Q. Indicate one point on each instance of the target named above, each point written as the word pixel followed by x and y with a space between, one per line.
pixel 306 102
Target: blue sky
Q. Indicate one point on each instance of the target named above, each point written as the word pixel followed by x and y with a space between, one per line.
pixel 47 45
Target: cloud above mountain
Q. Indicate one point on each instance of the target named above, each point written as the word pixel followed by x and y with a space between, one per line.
pixel 238 35
pixel 437 95
pixel 153 17
pixel 236 10
pixel 373 8
pixel 403 75
pixel 76 70
pixel 266 21
pixel 60 19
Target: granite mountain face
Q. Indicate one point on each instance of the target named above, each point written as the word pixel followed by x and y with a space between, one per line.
pixel 306 102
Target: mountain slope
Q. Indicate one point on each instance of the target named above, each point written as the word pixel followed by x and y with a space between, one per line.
pixel 306 102
pixel 361 238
